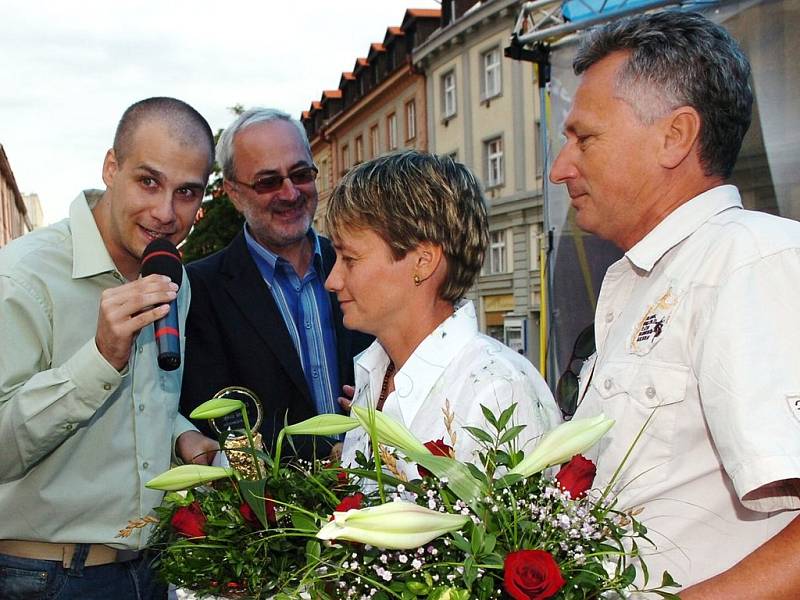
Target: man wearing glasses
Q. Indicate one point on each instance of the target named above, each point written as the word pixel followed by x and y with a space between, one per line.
pixel 696 328
pixel 260 317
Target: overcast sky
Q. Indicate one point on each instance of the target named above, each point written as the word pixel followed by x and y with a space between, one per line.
pixel 69 69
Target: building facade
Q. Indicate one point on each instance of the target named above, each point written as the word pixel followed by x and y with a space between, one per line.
pixel 483 111
pixel 14 220
pixel 379 107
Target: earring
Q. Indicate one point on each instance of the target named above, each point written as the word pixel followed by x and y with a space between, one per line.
pixel 417 280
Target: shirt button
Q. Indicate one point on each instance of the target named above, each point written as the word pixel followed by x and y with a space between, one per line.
pixel 141 349
pixel 141 408
pixel 608 383
pixel 650 392
pixel 106 386
pixel 308 324
pixel 145 465
pixel 609 317
pixel 68 426
pixel 315 373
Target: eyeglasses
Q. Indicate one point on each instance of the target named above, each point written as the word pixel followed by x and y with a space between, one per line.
pixel 272 183
pixel 567 386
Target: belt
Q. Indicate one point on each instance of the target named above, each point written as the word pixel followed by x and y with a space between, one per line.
pixel 99 554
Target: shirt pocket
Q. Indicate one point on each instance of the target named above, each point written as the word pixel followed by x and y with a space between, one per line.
pixel 644 397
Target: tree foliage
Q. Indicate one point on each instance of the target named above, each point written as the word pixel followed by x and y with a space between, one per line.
pixel 218 221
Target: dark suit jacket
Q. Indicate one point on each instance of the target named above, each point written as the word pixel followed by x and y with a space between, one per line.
pixel 235 335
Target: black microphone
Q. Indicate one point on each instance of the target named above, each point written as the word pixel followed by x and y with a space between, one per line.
pixel 162 258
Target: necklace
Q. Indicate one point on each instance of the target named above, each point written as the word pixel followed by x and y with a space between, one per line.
pixel 385 385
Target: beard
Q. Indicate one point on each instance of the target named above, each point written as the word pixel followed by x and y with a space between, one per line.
pixel 283 223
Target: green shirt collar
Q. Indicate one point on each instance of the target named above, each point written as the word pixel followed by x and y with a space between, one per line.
pixel 89 254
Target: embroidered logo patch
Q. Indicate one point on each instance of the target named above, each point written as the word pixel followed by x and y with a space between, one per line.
pixel 650 328
pixel 793 400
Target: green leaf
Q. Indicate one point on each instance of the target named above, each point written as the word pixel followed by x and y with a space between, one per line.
pixel 508 480
pixel 215 408
pixel 505 416
pixel 489 543
pixel 459 479
pixel 476 472
pixel 253 493
pixel 490 418
pixel 668 581
pixel 476 541
pixel 510 434
pixel 460 542
pixel 470 570
pixel 303 521
pixel 628 575
pixel 479 434
pixel 313 551
pixel 418 588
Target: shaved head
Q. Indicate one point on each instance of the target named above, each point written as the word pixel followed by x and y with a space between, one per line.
pixel 184 122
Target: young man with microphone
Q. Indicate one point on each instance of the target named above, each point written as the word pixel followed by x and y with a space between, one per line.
pixel 87 416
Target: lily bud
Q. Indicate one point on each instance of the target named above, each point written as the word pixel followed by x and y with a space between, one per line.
pixel 326 424
pixel 399 525
pixel 215 408
pixel 562 443
pixel 187 476
pixel 389 431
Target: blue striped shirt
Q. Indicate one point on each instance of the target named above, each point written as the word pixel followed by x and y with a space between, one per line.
pixel 306 309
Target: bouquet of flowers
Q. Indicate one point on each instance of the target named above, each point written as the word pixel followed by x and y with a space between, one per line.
pixel 505 528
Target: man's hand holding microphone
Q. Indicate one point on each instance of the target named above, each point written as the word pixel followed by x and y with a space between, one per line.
pixel 127 309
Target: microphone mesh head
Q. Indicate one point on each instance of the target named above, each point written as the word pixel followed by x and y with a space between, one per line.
pixel 162 257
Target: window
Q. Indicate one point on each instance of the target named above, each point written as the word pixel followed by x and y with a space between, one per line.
pixel 411 120
pixel 391 131
pixel 492 76
pixel 494 162
pixel 498 254
pixel 535 235
pixel 323 180
pixel 359 149
pixel 449 94
pixel 539 163
pixel 345 158
pixel 374 144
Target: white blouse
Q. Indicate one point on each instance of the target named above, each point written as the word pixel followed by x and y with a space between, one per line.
pixel 455 369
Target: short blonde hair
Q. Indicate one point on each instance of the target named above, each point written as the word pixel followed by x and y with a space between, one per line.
pixel 412 197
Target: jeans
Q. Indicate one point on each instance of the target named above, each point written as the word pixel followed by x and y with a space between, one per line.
pixel 34 579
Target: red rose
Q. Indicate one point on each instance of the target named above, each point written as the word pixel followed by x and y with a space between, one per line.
pixel 250 515
pixel 577 476
pixel 348 502
pixel 437 448
pixel 342 477
pixel 189 520
pixel 531 575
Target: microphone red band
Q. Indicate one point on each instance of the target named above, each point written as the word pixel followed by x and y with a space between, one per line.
pixel 160 253
pixel 167 331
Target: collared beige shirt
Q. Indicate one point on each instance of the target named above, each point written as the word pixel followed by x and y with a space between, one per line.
pixel 79 439
pixel 697 348
pixel 459 369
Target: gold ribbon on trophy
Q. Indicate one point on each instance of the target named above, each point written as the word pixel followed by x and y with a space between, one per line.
pixel 233 427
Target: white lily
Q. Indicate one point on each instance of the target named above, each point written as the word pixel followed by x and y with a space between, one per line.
pixel 399 525
pixel 186 476
pixel 326 424
pixel 216 407
pixel 388 431
pixel 564 442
